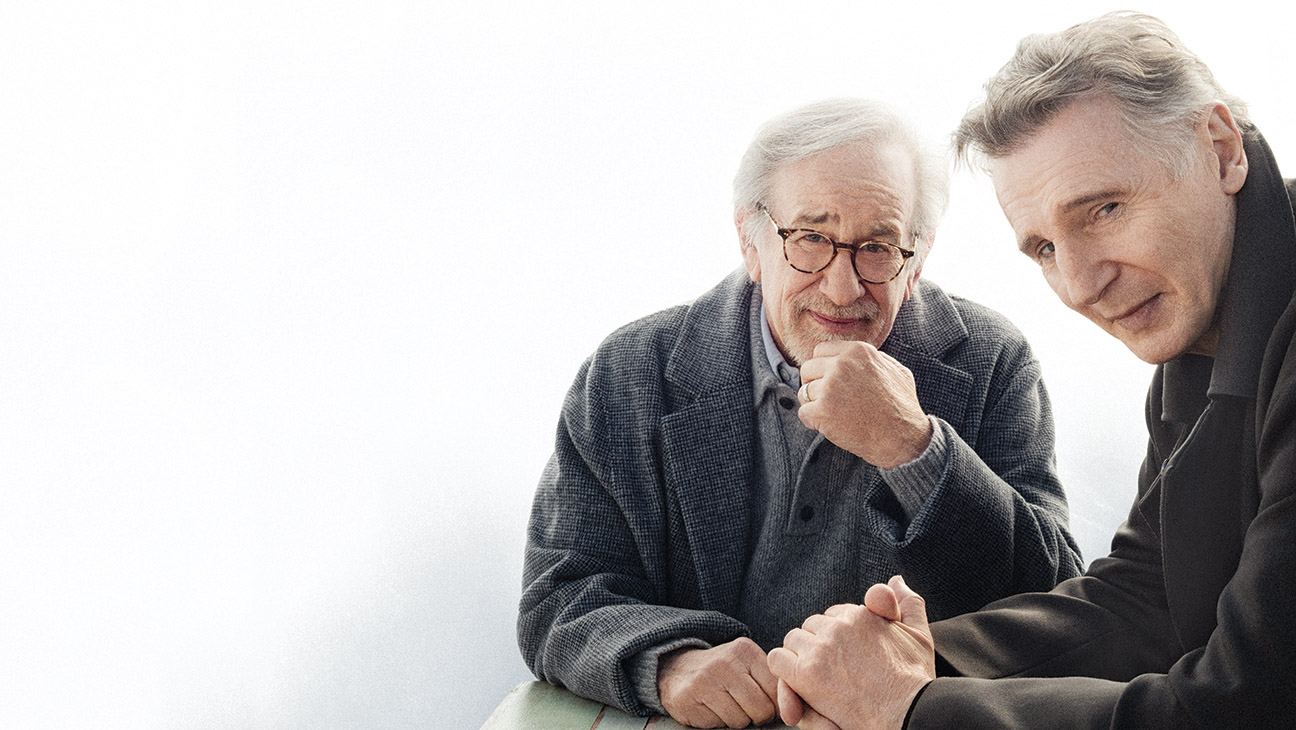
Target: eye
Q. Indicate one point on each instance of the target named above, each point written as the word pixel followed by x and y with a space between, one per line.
pixel 1106 210
pixel 1044 251
pixel 813 237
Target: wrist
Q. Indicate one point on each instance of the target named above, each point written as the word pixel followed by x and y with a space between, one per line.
pixel 666 663
pixel 914 703
pixel 912 441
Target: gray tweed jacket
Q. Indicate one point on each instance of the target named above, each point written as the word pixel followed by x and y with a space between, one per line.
pixel 639 529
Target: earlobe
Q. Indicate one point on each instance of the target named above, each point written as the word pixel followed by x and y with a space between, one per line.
pixel 916 264
pixel 911 283
pixel 751 260
pixel 1226 141
pixel 751 256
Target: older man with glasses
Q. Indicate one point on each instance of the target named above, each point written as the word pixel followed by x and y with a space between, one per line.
pixel 819 421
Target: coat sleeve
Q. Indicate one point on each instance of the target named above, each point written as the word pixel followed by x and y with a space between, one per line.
pixel 1003 496
pixel 1113 626
pixel 595 578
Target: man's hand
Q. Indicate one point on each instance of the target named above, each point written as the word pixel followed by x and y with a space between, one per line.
pixel 864 401
pixel 857 667
pixel 729 685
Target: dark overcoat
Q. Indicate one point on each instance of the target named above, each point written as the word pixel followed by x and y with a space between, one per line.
pixel 1190 622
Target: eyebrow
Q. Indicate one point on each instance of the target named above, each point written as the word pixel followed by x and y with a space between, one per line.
pixel 1090 199
pixel 814 219
pixel 878 232
pixel 1024 243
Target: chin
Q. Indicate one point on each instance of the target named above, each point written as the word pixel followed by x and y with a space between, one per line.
pixel 1155 351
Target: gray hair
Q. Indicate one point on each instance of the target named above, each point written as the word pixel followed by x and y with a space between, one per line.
pixel 831 123
pixel 1161 88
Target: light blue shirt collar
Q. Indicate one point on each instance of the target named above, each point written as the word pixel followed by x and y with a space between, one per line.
pixel 785 371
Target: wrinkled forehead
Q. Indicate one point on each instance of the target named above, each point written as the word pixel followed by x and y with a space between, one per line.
pixel 845 182
pixel 1082 152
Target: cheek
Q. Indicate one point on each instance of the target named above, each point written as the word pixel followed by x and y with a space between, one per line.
pixel 888 296
pixel 1055 281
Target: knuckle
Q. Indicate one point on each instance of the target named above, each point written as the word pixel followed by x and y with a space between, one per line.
pixel 854 614
pixel 746 648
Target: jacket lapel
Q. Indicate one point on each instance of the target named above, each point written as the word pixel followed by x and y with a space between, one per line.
pixel 707 441
pixel 926 328
pixel 709 477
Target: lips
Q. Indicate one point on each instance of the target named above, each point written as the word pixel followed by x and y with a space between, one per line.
pixel 1139 316
pixel 825 319
pixel 834 324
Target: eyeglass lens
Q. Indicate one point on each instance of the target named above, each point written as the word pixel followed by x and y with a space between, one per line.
pixel 809 252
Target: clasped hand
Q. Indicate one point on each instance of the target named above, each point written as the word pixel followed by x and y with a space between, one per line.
pixel 856 667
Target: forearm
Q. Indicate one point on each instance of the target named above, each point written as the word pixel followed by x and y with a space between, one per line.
pixel 1109 626
pixel 584 630
pixel 977 536
pixel 1016 704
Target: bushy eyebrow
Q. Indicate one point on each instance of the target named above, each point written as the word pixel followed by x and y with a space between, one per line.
pixel 813 219
pixel 881 231
pixel 1025 243
pixel 1089 199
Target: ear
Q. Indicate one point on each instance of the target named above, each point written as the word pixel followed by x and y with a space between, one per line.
pixel 744 222
pixel 915 266
pixel 1226 141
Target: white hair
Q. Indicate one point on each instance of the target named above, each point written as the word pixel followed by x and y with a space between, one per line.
pixel 831 123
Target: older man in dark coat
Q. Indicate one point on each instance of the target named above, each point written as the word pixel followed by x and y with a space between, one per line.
pixel 816 422
pixel 1153 207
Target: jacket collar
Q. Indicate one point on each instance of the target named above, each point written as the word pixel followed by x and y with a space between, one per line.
pixel 1262 272
pixel 712 351
pixel 927 324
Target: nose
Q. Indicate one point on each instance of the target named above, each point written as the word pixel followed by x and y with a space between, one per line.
pixel 839 282
pixel 1082 274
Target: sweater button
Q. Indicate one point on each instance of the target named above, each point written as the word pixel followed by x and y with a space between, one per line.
pixel 787 403
pixel 807 513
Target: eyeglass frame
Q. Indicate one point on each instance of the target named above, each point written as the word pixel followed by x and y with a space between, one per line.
pixel 786 233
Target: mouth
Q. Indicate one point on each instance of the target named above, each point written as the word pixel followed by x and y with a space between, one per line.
pixel 1139 316
pixel 836 325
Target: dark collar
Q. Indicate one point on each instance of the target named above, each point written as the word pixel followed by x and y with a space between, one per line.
pixel 1262 272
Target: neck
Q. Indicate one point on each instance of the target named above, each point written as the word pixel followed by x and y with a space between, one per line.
pixel 1207 344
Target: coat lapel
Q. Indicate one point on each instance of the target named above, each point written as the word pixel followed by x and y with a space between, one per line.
pixel 708 457
pixel 926 328
pixel 707 440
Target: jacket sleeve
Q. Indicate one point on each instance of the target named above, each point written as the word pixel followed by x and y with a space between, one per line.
pixel 1113 626
pixel 1001 495
pixel 594 577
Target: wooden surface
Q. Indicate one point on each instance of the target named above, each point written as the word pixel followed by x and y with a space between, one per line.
pixel 542 706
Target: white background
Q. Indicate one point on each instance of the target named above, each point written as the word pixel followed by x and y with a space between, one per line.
pixel 290 294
